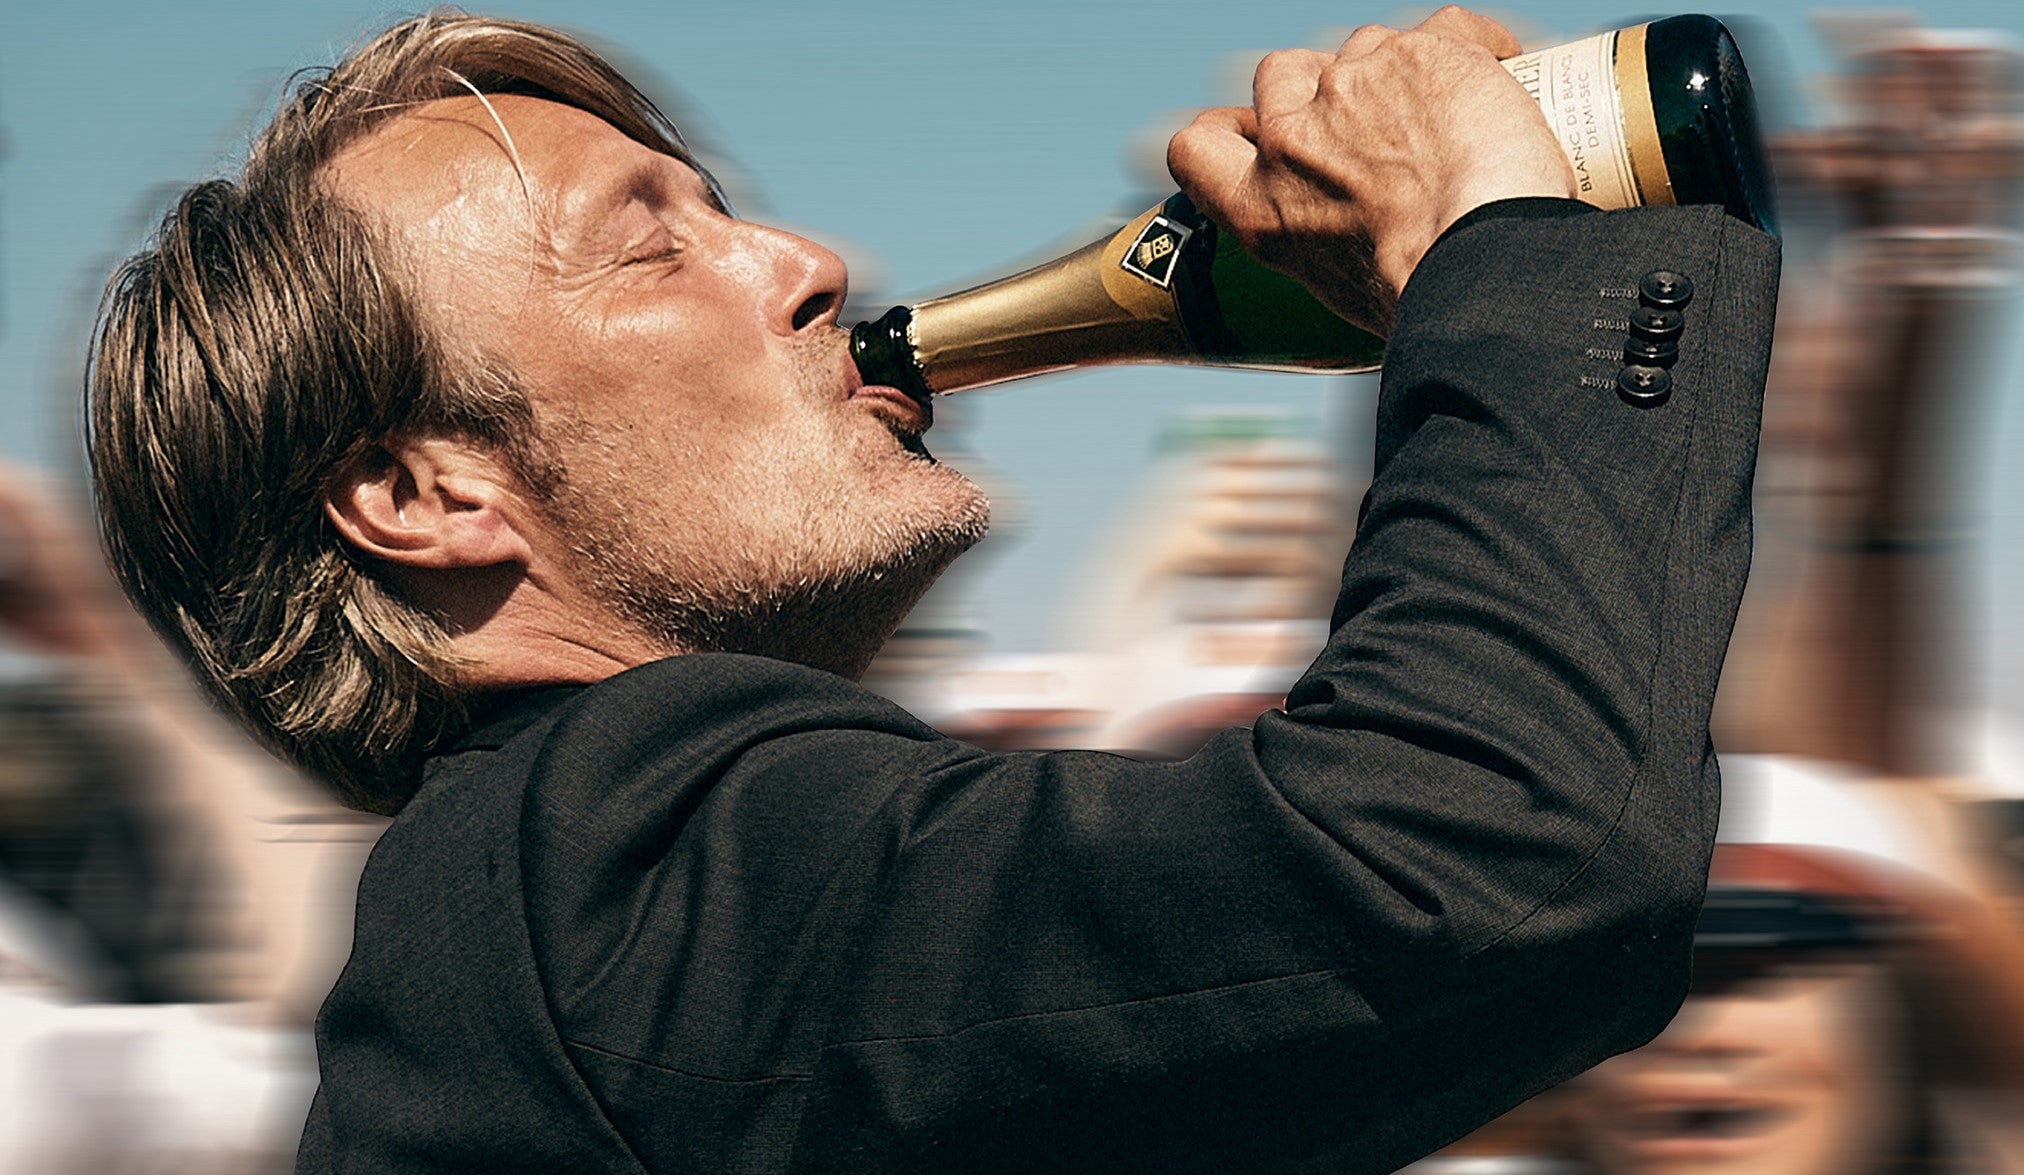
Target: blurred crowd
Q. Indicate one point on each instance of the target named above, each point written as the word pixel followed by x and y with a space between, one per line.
pixel 173 902
pixel 1856 1003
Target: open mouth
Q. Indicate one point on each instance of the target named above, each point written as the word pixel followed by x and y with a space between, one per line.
pixel 1703 1121
pixel 1707 1131
pixel 906 415
pixel 904 412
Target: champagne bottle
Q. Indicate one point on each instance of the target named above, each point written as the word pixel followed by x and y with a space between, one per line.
pixel 1659 113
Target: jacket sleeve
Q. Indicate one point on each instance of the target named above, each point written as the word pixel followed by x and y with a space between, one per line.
pixel 1462 865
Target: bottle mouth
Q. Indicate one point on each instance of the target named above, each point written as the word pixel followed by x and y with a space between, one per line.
pixel 883 350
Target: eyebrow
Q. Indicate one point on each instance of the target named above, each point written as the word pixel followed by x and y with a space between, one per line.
pixel 649 180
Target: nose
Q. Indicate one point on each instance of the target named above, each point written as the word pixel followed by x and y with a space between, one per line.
pixel 803 285
pixel 1710 1028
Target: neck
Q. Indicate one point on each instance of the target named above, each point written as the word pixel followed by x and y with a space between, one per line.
pixel 511 627
pixel 514 626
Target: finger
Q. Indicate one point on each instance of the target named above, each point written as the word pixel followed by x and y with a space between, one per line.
pixel 1286 80
pixel 1213 156
pixel 1459 24
pixel 1364 40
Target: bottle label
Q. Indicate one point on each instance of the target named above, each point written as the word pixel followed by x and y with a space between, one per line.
pixel 1576 86
pixel 1154 251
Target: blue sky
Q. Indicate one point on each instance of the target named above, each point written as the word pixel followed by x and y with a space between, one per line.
pixel 933 141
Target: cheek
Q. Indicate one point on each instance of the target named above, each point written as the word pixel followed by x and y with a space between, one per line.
pixel 1841 1030
pixel 723 472
pixel 1861 1042
pixel 1842 1049
pixel 647 338
pixel 663 391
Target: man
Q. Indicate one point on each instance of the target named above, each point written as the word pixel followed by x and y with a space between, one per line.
pixel 481 461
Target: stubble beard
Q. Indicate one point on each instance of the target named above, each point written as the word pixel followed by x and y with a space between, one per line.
pixel 836 621
pixel 824 603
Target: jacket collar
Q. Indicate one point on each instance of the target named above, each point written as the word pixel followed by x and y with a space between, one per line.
pixel 494 718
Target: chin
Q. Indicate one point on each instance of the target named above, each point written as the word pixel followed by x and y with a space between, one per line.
pixel 833 604
pixel 839 623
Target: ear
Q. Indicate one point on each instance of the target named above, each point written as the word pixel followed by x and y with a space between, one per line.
pixel 431 503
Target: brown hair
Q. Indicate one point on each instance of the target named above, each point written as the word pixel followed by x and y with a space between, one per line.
pixel 259 346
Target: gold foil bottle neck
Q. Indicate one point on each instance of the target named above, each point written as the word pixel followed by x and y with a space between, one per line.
pixel 1070 312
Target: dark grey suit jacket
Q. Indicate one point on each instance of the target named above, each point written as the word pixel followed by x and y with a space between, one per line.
pixel 724 914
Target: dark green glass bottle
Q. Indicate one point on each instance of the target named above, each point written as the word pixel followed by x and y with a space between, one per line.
pixel 1659 113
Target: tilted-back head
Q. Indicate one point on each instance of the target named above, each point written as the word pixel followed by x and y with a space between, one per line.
pixel 266 340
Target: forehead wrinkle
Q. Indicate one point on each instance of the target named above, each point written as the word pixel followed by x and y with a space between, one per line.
pixel 389 162
pixel 429 189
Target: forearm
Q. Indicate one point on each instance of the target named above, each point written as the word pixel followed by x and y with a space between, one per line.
pixel 1535 611
pixel 1464 864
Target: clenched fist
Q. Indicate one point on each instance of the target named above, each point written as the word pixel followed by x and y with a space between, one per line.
pixel 1346 168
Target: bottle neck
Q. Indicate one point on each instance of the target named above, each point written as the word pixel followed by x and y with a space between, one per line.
pixel 883 350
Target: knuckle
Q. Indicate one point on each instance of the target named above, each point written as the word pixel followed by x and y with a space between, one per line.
pixel 1337 83
pixel 1419 47
pixel 1366 37
pixel 1284 63
pixel 1201 127
pixel 1274 140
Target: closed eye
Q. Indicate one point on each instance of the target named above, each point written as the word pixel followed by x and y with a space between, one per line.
pixel 649 255
pixel 658 244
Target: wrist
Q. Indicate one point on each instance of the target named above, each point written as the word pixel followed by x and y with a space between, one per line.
pixel 1516 176
pixel 1404 252
pixel 1527 169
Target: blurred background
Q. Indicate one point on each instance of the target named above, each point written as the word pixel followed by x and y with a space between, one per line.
pixel 172 903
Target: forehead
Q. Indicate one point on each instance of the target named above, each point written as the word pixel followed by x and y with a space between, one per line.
pixel 466 156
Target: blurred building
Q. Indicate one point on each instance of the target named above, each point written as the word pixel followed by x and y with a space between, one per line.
pixel 1209 596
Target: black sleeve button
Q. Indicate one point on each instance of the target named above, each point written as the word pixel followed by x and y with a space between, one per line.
pixel 1663 289
pixel 1646 387
pixel 1650 353
pixel 1655 325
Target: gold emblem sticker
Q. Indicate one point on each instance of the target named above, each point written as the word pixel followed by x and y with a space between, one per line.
pixel 1152 256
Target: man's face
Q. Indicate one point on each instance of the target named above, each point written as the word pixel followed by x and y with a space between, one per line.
pixel 724 481
pixel 1791 1072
